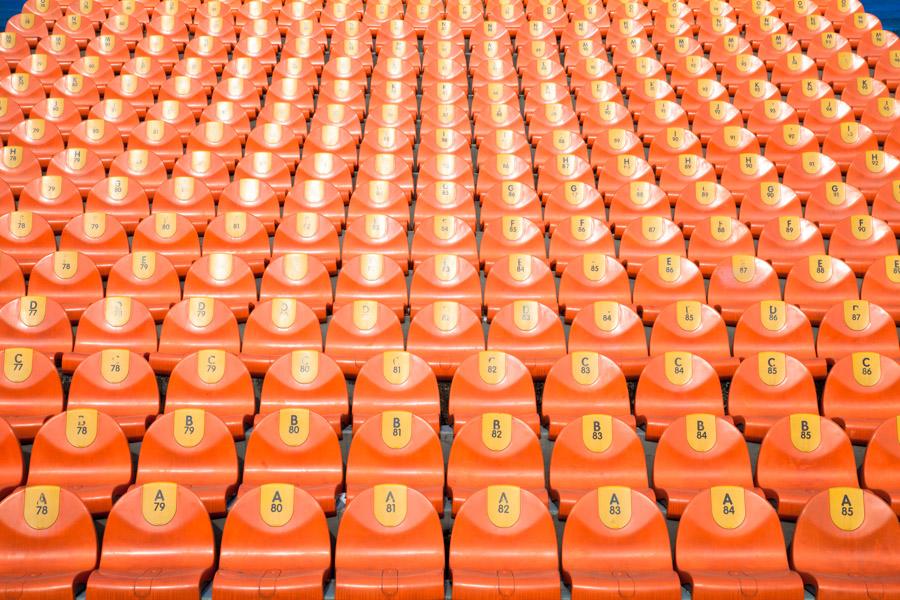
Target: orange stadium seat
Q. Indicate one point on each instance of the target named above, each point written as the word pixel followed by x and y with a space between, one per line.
pixel 116 321
pixel 845 544
pixel 815 284
pixel 774 325
pixel 853 324
pixel 275 541
pixel 862 390
pixel 85 452
pixel 673 385
pixel 11 462
pixel 879 471
pixel 380 521
pixel 591 276
pixel 502 378
pixel 396 380
pixel 295 446
pixel 37 322
pixel 48 543
pixel 194 324
pixel 530 331
pixel 619 524
pixel 732 519
pixel 596 449
pixel 663 279
pixel 190 447
pixel 157 536
pixel 400 447
pixel 518 531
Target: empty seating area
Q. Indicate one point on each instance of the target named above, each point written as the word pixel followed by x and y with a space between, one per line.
pixel 420 299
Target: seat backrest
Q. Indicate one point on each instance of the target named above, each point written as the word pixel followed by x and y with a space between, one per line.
pixel 196 323
pixel 11 466
pixel 80 447
pixel 846 531
pixel 690 324
pixel 593 450
pixel 612 329
pixel 296 446
pixel 665 278
pixel 35 321
pixel 396 380
pixel 615 525
pixel 496 448
pixel 189 445
pixel 853 324
pixel 880 472
pixel 699 450
pixel 389 528
pixel 158 525
pixel 862 390
pixel 774 325
pixel 398 447
pixel 46 529
pixel 279 326
pixel 727 525
pixel 117 321
pixel 496 375
pixel 805 451
pixel 276 526
pixel 308 379
pixel 503 528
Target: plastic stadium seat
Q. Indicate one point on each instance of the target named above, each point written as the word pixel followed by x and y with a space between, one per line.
pixel 275 328
pixel 26 237
pixel 171 235
pixel 12 281
pixel 879 473
pixel 54 197
pixel 833 202
pixel 224 277
pixel 188 197
pixel 622 518
pixel 194 448
pixel 854 324
pixel 608 143
pixel 116 321
pixel 595 449
pixel 766 387
pixel 885 205
pixel 396 380
pixel 801 455
pixel 158 538
pixel 519 277
pixel 497 375
pixel 399 447
pixel 860 240
pixel 98 237
pixel 649 237
pixel 11 465
pixel 881 282
pixel 786 141
pixel 788 239
pixel 767 202
pixel 517 528
pixel 70 278
pixel 808 170
pixel 742 172
pixel 443 235
pixel 238 233
pixel 663 279
pixel 511 235
pixel 716 239
pixel 295 446
pixel 148 278
pixel 380 522
pixel 583 382
pixel 294 553
pixel 622 170
pixel 371 277
pixel 614 330
pixel 359 331
pixel 635 200
pixel 206 166
pixel 695 325
pixel 862 390
pixel 379 234
pixel 443 334
pixel 672 385
pixel 300 277
pixel 20 167
pixel 379 197
pixel 308 233
pixel 732 521
pixel 774 325
pixel 738 282
pixel 871 170
pixel 881 116
pixel 845 545
pixel 814 285
pixel 45 554
pixel 193 324
pixel 85 452
pixel 577 236
pixel 532 332
pixel 217 381
pixel 37 322
pixel 590 276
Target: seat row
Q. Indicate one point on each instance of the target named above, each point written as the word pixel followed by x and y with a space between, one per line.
pixel 502 543
pixel 86 452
